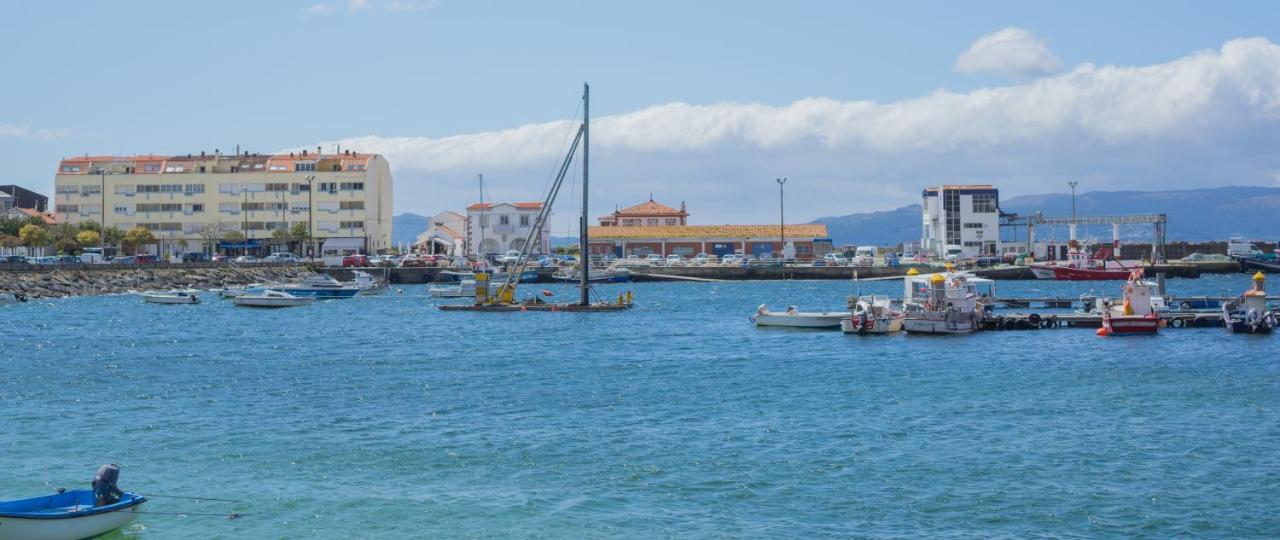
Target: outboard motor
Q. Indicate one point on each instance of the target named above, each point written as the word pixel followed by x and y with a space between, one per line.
pixel 104 485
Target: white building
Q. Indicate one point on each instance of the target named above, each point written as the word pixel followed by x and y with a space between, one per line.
pixel 495 228
pixel 446 234
pixel 961 218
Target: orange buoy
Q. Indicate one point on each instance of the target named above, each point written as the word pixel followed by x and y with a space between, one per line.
pixel 1103 332
pixel 546 292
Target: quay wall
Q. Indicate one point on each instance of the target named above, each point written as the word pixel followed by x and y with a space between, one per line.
pixel 53 281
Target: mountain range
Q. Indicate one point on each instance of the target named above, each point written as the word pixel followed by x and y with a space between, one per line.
pixel 1249 212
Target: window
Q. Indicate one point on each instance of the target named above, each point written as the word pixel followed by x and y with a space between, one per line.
pixel 504 220
pixel 273 225
pixel 673 221
pixel 352 225
pixel 331 187
pixel 170 188
pixel 122 210
pixel 973 244
pixel 148 188
pixel 162 227
pixel 273 167
pixel 355 167
pixel 484 221
pixel 68 189
pixel 327 206
pixel 70 168
pixel 524 221
pixel 301 187
pixel 195 188
pixel 151 168
pixel 254 188
pixel 973 225
pixel 984 203
pixel 304 167
pixel 351 205
pixel 68 208
pixel 652 221
pixel 166 207
pixel 229 207
pixel 92 189
pixel 175 169
pixel 90 209
pixel 277 187
pixel 631 222
pixel 252 206
pixel 124 189
pixel 352 186
pixel 195 208
pixel 299 207
pixel 228 188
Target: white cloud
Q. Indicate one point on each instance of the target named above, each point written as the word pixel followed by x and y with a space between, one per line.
pixel 408 6
pixel 358 6
pixel 1209 118
pixel 1010 51
pixel 25 132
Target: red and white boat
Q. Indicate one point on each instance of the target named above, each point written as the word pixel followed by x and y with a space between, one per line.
pixel 1135 315
pixel 1081 266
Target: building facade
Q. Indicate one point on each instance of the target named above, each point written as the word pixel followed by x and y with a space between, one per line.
pixel 24 198
pixel 963 218
pixel 809 240
pixel 649 214
pixel 191 202
pixel 445 235
pixel 495 228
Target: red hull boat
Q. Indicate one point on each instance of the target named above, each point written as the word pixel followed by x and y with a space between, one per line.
pixel 1067 273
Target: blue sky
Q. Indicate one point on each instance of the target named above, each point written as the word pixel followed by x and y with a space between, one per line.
pixel 178 77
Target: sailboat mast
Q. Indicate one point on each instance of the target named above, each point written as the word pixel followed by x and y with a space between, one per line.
pixel 584 258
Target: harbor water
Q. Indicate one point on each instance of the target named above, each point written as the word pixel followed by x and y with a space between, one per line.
pixel 383 417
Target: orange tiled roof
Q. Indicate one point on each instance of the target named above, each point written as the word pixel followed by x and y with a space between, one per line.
pixel 520 205
pixel 650 208
pixel 49 219
pixel 808 230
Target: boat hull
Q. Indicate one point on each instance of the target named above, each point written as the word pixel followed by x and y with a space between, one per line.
pixel 322 293
pixel 247 301
pixel 1123 325
pixel 171 299
pixel 883 325
pixel 56 520
pixel 938 326
pixel 1067 273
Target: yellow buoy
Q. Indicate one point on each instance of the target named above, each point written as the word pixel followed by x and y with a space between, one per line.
pixel 950 267
pixel 937 279
pixel 1259 277
pixel 913 272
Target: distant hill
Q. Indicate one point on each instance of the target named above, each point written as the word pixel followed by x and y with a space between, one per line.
pixel 1194 215
pixel 406 227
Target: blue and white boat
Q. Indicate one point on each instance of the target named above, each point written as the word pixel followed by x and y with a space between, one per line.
pixel 321 286
pixel 65 516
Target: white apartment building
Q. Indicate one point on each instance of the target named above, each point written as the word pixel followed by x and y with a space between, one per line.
pixel 964 218
pixel 190 202
pixel 495 228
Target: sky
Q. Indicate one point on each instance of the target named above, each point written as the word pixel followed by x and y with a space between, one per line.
pixel 858 104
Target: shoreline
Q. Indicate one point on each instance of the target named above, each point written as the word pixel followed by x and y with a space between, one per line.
pixel 63 282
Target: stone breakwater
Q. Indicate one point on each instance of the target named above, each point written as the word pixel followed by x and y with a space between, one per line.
pixel 57 283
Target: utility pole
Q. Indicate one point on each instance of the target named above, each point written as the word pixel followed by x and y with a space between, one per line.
pixel 310 248
pixel 1073 184
pixel 782 220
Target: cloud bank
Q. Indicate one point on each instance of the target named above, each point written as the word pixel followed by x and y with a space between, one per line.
pixel 1011 51
pixel 1209 118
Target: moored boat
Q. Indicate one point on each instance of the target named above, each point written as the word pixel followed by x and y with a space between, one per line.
pixel 791 318
pixel 172 297
pixel 65 516
pixel 463 289
pixel 950 304
pixel 321 286
pixel 872 315
pixel 1250 313
pixel 1082 266
pixel 1136 314
pixel 607 275
pixel 368 285
pixel 272 299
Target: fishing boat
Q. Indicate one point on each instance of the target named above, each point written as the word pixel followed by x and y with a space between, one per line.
pixel 608 275
pixel 1260 265
pixel 172 297
pixel 792 318
pixel 948 304
pixel 463 289
pixel 872 315
pixel 67 515
pixel 1136 314
pixel 272 299
pixel 368 285
pixel 1081 266
pixel 502 297
pixel 1250 313
pixel 321 286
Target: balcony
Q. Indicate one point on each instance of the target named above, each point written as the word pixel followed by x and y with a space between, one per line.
pixel 504 229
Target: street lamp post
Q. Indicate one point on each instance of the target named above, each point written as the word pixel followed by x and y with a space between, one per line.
pixel 782 221
pixel 1073 184
pixel 310 248
pixel 102 216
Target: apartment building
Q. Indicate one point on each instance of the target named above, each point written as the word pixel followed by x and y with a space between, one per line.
pixel 495 228
pixel 961 219
pixel 191 202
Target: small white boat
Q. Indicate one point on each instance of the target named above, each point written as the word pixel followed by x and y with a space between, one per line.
pixel 65 516
pixel 252 288
pixel 172 297
pixel 368 285
pixel 873 315
pixel 464 289
pixel 798 319
pixel 272 299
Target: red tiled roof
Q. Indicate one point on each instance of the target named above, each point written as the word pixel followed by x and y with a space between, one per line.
pixel 650 208
pixel 49 219
pixel 808 230
pixel 520 205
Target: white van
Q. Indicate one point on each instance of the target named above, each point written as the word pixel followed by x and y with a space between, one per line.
pixel 864 256
pixel 1243 249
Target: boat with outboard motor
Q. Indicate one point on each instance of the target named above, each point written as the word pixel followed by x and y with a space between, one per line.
pixel 272 299
pixel 872 314
pixel 792 318
pixel 71 514
pixel 171 297
pixel 368 285
pixel 1250 314
pixel 1136 314
pixel 321 286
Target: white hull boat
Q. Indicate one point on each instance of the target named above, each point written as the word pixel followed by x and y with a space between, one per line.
pixel 254 288
pixel 872 315
pixel 465 289
pixel 368 285
pixel 65 516
pixel 272 299
pixel 932 324
pixel 798 319
pixel 943 303
pixel 179 297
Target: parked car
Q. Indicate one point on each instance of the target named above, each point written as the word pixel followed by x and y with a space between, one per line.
pixel 413 261
pixel 356 260
pixel 194 257
pixel 510 257
pixel 987 260
pixel 675 260
pixel 730 260
pixel 218 258
pixel 835 259
pixel 146 259
pixel 282 256
pixel 127 259
pixel 246 259
pixel 655 259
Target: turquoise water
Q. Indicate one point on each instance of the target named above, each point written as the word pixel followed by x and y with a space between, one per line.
pixel 384 417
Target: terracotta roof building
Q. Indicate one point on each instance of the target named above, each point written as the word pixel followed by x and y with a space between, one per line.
pixel 809 240
pixel 646 214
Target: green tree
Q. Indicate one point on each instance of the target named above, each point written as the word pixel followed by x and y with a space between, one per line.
pixel 113 236
pixel 280 237
pixel 89 225
pixel 9 241
pixel 88 238
pixel 66 246
pixel 33 236
pixel 10 225
pixel 63 232
pixel 209 234
pixel 233 237
pixel 298 233
pixel 137 237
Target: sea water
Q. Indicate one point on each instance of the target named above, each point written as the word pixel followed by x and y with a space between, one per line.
pixel 383 417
